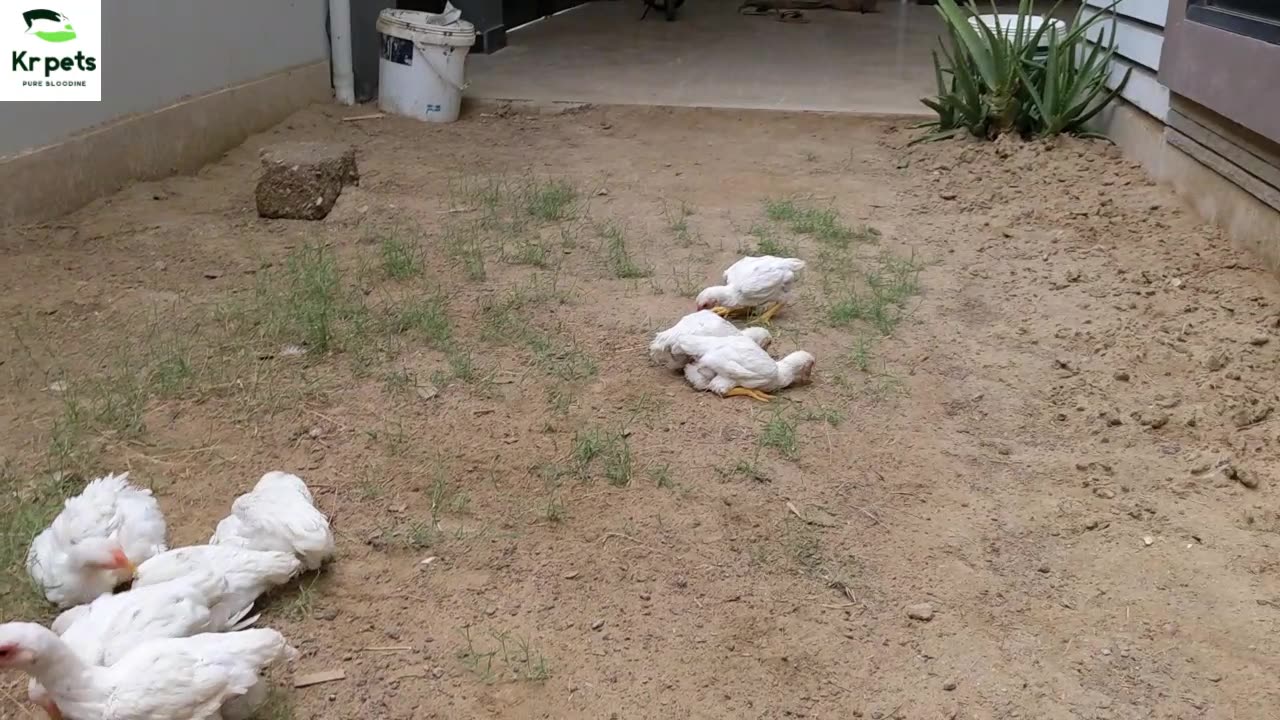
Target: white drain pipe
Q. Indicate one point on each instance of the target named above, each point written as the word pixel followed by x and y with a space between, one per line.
pixel 344 79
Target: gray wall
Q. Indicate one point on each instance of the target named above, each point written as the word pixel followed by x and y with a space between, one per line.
pixel 156 52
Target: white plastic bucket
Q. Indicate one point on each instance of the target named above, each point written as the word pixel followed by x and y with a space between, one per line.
pixel 422 70
pixel 1009 23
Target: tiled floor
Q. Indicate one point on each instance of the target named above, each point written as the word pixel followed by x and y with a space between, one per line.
pixel 714 57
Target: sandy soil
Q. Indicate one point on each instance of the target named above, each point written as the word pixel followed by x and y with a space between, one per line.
pixel 1065 447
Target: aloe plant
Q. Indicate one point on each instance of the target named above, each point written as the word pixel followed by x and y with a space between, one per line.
pixel 995 81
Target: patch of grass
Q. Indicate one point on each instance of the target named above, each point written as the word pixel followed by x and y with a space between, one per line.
pixel 830 416
pixel 464 244
pixel 554 510
pixel 561 357
pixel 686 283
pixel 823 224
pixel 678 222
pixel 461 367
pixel 25 510
pixel 301 604
pixel 617 256
pixel 879 296
pixel 862 353
pixel 611 448
pixel 779 434
pixel 550 200
pixel 768 243
pixel 305 303
pixel 529 252
pixel 508 656
pixel 661 476
pixel 426 316
pixel 172 370
pixel 559 399
pixel 750 469
pixel 401 258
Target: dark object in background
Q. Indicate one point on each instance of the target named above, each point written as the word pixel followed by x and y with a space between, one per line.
pixel 365 46
pixel 666 7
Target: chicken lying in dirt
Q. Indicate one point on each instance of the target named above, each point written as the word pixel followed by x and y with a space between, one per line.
pixel 736 366
pixel 663 349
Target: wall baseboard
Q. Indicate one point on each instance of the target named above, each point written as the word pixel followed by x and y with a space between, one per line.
pixel 53 180
pixel 1248 222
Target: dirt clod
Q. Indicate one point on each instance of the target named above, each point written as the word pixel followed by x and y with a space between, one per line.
pixel 921 611
pixel 302 180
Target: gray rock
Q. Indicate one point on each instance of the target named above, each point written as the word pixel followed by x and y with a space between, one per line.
pixel 949 685
pixel 302 180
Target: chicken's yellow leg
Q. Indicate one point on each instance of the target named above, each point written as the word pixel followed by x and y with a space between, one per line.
pixel 722 311
pixel 748 392
pixel 768 314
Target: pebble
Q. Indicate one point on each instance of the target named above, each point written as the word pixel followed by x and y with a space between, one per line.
pixel 437 673
pixel 327 614
pixel 599 623
pixel 947 195
pixel 392 633
pixel 571 575
pixel 212 274
pixel 681 582
pixel 1148 540
pixel 1044 568
pixel 949 685
pixel 1122 376
pixel 1259 340
pixel 1104 493
pixel 644 596
pixel 922 612
pixel 491 611
pixel 1248 480
pixel 1106 651
pixel 1217 360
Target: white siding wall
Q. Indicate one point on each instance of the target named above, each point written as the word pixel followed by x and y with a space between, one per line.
pixel 1139 32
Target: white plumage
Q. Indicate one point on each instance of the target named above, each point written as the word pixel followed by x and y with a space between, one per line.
pixel 278 514
pixel 752 282
pixel 663 349
pixel 169 679
pixel 247 573
pixel 91 546
pixel 731 366
pixel 104 630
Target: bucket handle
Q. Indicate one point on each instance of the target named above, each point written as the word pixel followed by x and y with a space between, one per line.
pixel 422 52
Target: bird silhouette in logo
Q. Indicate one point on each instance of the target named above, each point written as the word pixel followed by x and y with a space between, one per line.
pixel 49 25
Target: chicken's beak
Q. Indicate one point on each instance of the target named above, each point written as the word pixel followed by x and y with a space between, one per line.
pixel 124 563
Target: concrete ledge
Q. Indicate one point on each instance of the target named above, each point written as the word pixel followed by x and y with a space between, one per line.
pixel 56 179
pixel 1247 221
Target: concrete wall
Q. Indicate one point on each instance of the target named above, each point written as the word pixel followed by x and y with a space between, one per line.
pixel 158 52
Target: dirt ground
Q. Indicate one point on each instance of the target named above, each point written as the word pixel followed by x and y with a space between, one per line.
pixel 1064 446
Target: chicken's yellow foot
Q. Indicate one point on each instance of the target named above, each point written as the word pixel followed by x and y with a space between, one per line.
pixel 767 315
pixel 722 311
pixel 748 392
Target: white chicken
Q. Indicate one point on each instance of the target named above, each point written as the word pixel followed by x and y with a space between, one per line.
pixel 733 366
pixel 752 282
pixel 703 322
pixel 102 632
pixel 248 573
pixel 278 514
pixel 196 678
pixel 95 542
